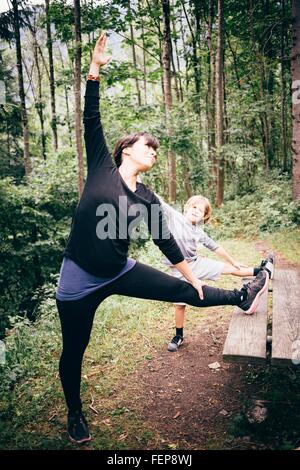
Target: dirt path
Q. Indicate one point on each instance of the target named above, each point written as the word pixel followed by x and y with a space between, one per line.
pixel 188 403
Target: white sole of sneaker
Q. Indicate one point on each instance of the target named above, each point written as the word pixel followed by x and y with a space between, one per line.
pixel 255 302
pixel 270 266
pixel 174 348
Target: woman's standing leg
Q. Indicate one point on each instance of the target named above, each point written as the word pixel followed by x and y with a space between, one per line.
pixel 76 318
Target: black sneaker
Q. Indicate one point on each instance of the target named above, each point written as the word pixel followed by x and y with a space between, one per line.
pixel 252 291
pixel 269 265
pixel 78 428
pixel 175 343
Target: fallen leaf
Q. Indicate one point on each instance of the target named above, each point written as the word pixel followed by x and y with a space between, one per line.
pixel 177 414
pixel 214 365
pixel 172 446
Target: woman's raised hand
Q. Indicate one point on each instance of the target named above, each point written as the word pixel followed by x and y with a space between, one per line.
pixel 98 57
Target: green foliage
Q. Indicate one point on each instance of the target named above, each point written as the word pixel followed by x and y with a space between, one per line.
pixel 30 372
pixel 29 347
pixel 10 120
pixel 34 226
pixel 243 163
pixel 269 207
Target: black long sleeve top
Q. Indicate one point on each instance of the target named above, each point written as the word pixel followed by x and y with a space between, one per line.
pixel 105 257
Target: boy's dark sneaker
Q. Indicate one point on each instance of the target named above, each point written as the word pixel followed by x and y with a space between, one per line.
pixel 78 428
pixel 175 343
pixel 252 291
pixel 269 264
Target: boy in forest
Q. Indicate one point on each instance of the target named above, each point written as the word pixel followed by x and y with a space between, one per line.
pixel 187 231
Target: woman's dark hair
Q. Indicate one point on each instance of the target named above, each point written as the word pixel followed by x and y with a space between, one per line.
pixel 128 140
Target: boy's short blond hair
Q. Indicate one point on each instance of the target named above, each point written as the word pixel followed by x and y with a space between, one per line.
pixel 199 199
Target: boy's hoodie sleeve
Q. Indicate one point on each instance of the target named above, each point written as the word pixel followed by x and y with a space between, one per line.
pixel 206 241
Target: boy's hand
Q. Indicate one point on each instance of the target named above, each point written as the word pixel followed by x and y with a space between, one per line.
pixel 239 265
pixel 198 286
pixel 98 57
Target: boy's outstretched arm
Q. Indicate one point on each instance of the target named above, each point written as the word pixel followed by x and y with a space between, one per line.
pixel 210 244
pixel 226 256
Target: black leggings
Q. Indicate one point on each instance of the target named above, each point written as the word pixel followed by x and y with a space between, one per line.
pixel 141 281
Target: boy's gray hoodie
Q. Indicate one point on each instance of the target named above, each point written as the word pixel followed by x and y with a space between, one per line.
pixel 187 235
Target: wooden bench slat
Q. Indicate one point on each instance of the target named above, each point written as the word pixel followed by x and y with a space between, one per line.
pixel 247 335
pixel 286 318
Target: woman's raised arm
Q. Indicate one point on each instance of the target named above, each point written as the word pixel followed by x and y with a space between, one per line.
pixel 96 149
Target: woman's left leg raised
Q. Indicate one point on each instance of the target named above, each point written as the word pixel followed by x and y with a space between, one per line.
pixel 145 282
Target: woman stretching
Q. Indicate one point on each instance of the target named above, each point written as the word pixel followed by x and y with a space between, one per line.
pixel 95 263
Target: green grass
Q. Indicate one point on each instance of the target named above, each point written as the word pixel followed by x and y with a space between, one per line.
pixel 286 242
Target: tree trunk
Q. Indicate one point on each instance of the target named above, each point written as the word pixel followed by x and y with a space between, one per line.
pixel 211 138
pixel 39 103
pixel 138 91
pixel 77 90
pixel 37 100
pixel 177 59
pixel 220 107
pixel 157 6
pixel 168 97
pixel 197 13
pixel 52 80
pixel 264 119
pixel 269 56
pixel 144 59
pixel 175 74
pixel 186 179
pixel 67 102
pixel 295 66
pixel 195 62
pixel 235 63
pixel 283 92
pixel 265 126
pixel 8 144
pixel 226 119
pixel 27 166
pixel 185 54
